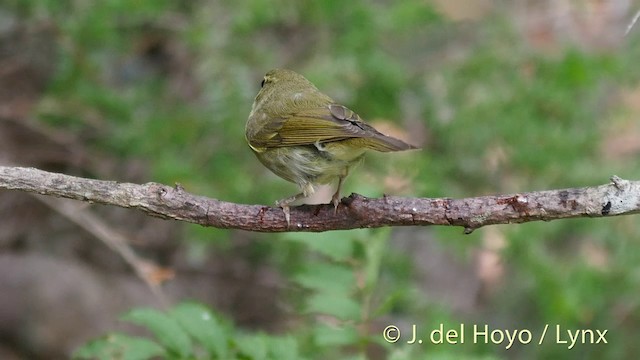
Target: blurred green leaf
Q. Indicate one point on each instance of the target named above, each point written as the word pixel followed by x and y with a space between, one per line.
pixel 254 347
pixel 284 348
pixel 119 346
pixel 327 278
pixel 339 305
pixel 203 326
pixel 165 328
pixel 329 336
pixel 337 245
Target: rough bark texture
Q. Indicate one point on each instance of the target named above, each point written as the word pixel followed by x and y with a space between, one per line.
pixel 620 197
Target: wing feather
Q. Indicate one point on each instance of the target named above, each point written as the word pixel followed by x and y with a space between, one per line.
pixel 326 124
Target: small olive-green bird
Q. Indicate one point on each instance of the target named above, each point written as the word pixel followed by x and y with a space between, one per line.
pixel 305 137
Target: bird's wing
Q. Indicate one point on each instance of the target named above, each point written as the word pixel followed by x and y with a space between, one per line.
pixel 317 125
pixel 323 125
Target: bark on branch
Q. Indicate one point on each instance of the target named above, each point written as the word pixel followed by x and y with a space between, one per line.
pixel 620 197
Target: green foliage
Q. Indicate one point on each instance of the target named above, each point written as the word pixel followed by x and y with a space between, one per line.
pixel 199 323
pixel 188 331
pixel 120 346
pixel 165 328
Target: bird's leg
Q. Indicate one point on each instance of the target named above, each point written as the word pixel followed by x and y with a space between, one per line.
pixel 335 199
pixel 284 204
pixel 307 190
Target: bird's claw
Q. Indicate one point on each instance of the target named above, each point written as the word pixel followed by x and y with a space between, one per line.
pixel 287 215
pixel 285 209
pixel 336 201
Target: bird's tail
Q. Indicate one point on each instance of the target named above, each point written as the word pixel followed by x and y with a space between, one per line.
pixel 385 143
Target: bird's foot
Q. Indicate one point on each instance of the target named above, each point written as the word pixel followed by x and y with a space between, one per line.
pixel 335 200
pixel 284 205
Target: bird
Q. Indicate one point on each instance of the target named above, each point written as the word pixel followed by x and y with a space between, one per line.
pixel 307 138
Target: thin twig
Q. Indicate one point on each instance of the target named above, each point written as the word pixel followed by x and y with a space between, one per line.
pixel 633 22
pixel 83 217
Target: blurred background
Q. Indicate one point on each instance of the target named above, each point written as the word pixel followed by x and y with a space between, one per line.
pixel 502 96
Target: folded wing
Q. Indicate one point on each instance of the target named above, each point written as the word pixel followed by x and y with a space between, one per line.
pixel 326 124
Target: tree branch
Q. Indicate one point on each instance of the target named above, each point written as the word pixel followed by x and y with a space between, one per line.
pixel 620 197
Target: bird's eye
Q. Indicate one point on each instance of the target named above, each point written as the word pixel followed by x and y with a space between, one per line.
pixel 262 83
